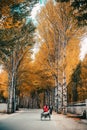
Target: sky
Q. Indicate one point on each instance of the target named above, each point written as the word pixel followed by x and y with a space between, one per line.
pixel 83 48
pixel 35 10
pixel 1 68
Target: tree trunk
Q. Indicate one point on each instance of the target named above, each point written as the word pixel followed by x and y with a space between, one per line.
pixel 11 98
pixel 11 107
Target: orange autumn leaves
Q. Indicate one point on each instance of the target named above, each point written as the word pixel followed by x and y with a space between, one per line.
pixel 34 75
pixel 72 57
pixel 4 84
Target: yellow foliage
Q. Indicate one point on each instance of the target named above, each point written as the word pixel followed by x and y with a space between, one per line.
pixel 72 57
pixel 6 11
pixel 4 83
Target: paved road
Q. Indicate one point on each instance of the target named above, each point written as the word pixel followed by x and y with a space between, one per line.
pixel 30 120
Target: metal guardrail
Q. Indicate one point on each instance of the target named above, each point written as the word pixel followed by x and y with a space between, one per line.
pixel 78 104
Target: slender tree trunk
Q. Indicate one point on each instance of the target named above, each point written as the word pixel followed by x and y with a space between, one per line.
pixel 64 96
pixel 11 97
pixel 11 107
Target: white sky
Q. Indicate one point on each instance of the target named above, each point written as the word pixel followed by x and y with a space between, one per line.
pixel 35 50
pixel 35 10
pixel 1 68
pixel 83 48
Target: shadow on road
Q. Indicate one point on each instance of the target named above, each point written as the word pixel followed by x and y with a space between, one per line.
pixel 4 126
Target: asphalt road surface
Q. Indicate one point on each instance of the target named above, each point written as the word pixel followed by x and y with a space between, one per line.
pixel 30 120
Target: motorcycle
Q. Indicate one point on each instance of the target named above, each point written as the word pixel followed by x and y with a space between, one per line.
pixel 45 115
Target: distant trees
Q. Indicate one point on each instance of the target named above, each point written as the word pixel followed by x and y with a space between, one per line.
pixel 43 79
pixel 83 89
pixel 77 87
pixel 3 86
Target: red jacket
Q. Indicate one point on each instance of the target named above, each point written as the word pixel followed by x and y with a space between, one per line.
pixel 45 108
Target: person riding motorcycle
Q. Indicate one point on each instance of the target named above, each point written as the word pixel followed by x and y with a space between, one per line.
pixel 45 112
pixel 45 108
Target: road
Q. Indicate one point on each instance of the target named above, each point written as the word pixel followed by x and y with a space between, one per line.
pixel 30 120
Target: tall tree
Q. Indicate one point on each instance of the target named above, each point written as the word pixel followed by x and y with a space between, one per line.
pixel 59 28
pixel 15 40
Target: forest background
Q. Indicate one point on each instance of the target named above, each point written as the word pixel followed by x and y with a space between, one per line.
pixel 58 34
